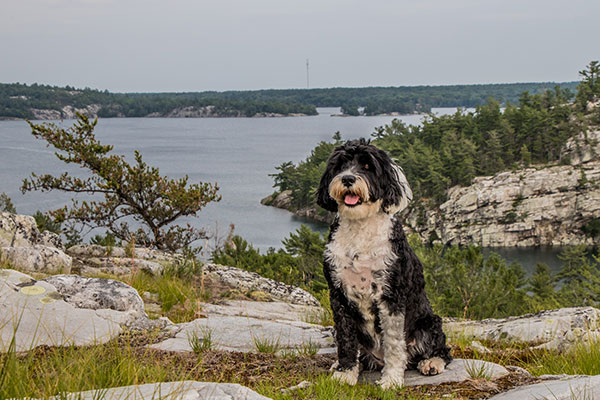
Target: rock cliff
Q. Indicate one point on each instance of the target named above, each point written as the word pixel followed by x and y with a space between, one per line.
pixel 530 207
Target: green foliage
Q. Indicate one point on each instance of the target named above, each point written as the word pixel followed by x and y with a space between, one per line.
pixel 461 282
pixel 135 191
pixel 303 179
pixel 108 240
pixel 541 285
pixel 45 223
pixel 266 345
pixel 300 264
pixel 589 88
pixel 580 278
pixel 6 204
pixel 592 227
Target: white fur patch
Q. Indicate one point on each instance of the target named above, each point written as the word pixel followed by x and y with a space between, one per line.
pixel 350 376
pixel 395 357
pixel 360 252
pixel 407 193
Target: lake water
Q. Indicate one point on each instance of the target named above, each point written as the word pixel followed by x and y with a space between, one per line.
pixel 237 153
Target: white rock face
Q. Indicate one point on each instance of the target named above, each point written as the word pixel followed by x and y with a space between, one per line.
pixel 246 280
pixel 554 329
pixel 17 230
pixel 529 207
pixel 24 247
pixel 33 313
pixel 570 388
pixel 185 390
pixel 37 258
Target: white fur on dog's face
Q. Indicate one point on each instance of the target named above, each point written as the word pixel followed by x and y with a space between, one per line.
pixel 365 207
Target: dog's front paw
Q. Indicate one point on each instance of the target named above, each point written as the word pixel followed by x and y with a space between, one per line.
pixel 432 366
pixel 391 380
pixel 349 376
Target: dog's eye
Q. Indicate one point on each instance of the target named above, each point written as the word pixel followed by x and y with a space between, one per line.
pixel 366 166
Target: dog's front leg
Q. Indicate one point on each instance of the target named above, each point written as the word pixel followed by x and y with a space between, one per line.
pixel 346 369
pixel 394 347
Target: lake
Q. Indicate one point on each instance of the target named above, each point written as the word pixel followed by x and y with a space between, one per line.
pixel 237 153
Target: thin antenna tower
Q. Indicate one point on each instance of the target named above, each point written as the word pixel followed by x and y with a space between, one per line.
pixel 307 81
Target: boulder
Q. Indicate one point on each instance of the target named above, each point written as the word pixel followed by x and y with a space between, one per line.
pixel 91 259
pixel 568 388
pixel 33 313
pixel 37 258
pixel 246 280
pixel 188 390
pixel 553 329
pixel 98 294
pixel 67 309
pixel 51 239
pixel 17 230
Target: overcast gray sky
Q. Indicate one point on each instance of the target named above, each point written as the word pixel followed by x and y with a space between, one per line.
pixel 196 45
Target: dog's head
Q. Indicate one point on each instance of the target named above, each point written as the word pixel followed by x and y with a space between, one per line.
pixel 361 180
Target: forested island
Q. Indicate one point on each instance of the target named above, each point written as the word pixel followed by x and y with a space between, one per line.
pixel 21 101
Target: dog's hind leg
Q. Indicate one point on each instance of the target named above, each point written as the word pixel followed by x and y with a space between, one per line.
pixel 394 348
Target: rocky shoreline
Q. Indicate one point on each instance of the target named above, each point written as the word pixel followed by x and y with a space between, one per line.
pixel 70 112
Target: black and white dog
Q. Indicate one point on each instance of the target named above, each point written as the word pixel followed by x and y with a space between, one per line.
pixel 381 313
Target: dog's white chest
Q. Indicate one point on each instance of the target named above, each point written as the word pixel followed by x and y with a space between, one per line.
pixel 360 252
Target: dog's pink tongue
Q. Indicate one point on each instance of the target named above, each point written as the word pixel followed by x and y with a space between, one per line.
pixel 351 199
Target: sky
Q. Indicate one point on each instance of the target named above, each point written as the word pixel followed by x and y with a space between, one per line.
pixel 198 45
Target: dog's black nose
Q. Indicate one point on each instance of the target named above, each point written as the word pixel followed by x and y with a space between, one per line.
pixel 348 180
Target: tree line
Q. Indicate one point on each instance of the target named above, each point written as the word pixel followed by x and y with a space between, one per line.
pixel 17 100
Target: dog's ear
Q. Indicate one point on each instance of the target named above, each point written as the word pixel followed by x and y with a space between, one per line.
pixel 396 191
pixel 323 197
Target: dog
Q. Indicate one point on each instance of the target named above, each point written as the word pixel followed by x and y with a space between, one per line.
pixel 383 319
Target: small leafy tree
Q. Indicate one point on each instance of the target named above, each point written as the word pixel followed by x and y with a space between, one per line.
pixel 6 204
pixel 589 88
pixel 131 192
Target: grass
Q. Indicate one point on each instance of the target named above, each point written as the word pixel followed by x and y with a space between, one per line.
pixel 478 370
pixel 581 359
pixel 200 344
pixel 308 348
pixel 266 345
pixel 322 316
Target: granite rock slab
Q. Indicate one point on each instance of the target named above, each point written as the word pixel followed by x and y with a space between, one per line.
pixel 571 388
pixel 458 370
pixel 553 329
pixel 184 390
pixel 238 333
pixel 263 310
